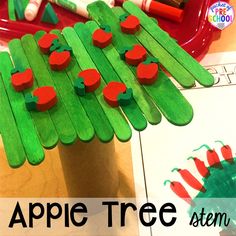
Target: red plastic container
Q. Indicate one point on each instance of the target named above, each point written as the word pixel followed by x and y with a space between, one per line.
pixel 194 33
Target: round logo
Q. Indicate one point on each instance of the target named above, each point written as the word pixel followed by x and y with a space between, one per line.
pixel 221 15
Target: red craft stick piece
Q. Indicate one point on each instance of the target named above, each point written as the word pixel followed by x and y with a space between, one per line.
pixel 136 55
pixel 92 79
pixel 59 60
pixel 46 41
pixel 47 98
pixel 147 72
pixel 112 91
pixel 226 152
pixel 190 179
pixel 180 191
pixel 129 24
pixel 22 80
pixel 101 38
pixel 201 167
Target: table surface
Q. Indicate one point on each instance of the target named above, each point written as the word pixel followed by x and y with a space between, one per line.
pixel 47 180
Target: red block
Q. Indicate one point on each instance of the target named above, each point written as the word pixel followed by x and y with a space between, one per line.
pixel 22 80
pixel 130 25
pixel 47 98
pixel 101 38
pixel 45 42
pixel 59 60
pixel 112 91
pixel 147 73
pixel 92 79
pixel 136 55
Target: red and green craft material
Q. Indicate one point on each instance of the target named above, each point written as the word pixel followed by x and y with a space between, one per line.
pixel 102 37
pixel 42 99
pixel 22 80
pixel 91 91
pixel 88 81
pixel 218 182
pixel 129 24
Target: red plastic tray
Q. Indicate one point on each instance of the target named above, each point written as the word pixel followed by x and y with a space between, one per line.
pixel 194 33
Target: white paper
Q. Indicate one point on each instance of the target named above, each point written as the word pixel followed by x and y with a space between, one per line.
pixel 166 146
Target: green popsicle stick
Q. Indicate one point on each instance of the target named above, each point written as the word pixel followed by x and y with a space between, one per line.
pixel 115 117
pixel 109 74
pixel 42 120
pixel 72 72
pixel 180 74
pixel 27 131
pixel 169 100
pixel 188 62
pixel 74 108
pixel 65 129
pixel 25 3
pixel 19 9
pixel 143 100
pixel 11 10
pixel 10 136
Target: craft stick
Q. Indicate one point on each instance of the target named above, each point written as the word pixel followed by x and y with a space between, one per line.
pixel 65 129
pixel 25 3
pixel 114 115
pixel 42 120
pixel 179 73
pixel 72 72
pixel 73 105
pixel 200 74
pixel 11 10
pixel 141 97
pixel 10 136
pixel 132 111
pixel 32 145
pixel 169 100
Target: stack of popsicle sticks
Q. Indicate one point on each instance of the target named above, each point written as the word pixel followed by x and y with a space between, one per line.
pixel 111 67
pixel 75 117
pixel 166 96
pixel 22 119
pixel 199 73
pixel 78 116
pixel 132 112
pixel 42 121
pixel 84 61
pixel 9 131
pixel 105 123
pixel 180 64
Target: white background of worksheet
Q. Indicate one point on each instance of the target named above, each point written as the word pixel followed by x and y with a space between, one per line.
pixel 158 149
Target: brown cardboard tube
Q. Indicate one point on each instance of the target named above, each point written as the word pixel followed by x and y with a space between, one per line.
pixel 90 169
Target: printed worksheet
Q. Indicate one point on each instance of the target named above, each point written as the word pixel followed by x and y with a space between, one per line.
pixel 181 157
